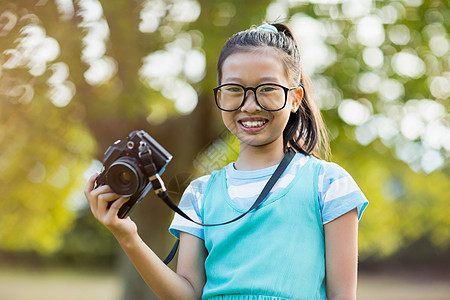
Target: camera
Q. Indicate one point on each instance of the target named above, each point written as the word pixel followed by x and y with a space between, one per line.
pixel 128 166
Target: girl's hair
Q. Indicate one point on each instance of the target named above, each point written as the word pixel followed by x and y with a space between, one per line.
pixel 305 130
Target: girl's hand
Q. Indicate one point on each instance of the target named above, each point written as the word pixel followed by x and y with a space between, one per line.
pixel 99 199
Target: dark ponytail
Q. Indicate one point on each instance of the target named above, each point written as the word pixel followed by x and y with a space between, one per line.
pixel 305 130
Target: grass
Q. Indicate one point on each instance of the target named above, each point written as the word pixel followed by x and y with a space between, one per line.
pixel 402 286
pixel 22 284
pixel 57 284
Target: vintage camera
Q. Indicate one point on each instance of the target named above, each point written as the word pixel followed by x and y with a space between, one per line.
pixel 128 164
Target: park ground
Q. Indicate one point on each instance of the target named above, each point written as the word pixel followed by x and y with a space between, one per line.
pixel 51 284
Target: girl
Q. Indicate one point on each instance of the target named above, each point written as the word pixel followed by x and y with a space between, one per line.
pixel 307 225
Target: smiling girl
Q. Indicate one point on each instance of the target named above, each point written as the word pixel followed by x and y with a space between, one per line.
pixel 307 225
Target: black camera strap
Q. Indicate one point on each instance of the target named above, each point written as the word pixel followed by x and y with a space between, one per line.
pixel 161 191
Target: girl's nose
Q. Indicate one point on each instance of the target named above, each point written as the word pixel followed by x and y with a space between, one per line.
pixel 250 104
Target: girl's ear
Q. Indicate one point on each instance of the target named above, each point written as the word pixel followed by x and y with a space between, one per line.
pixel 297 99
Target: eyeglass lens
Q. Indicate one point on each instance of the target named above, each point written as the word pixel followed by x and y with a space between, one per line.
pixel 231 97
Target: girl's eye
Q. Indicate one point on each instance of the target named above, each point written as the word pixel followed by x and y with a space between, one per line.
pixel 234 89
pixel 267 89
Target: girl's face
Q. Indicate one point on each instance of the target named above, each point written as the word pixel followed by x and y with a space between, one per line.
pixel 251 124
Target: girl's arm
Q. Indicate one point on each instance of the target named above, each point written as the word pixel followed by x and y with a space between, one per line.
pixel 341 248
pixel 191 261
pixel 165 283
pixel 189 280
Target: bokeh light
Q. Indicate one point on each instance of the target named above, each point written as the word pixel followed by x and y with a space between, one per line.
pixel 101 67
pixel 162 70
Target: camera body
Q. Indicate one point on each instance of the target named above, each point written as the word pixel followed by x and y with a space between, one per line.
pixel 128 164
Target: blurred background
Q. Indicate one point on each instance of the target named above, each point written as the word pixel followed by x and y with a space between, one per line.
pixel 77 75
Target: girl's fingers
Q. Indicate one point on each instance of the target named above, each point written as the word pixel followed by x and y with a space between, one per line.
pixel 107 197
pixel 88 192
pixel 91 183
pixel 110 218
pixel 104 200
pixel 116 205
pixel 99 197
pixel 105 205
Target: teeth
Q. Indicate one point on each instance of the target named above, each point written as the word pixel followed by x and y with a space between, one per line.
pixel 251 124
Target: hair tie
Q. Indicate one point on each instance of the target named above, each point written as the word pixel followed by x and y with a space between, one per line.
pixel 267 27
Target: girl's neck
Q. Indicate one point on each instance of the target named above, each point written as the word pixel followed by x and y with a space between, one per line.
pixel 258 157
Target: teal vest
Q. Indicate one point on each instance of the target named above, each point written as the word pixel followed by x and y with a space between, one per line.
pixel 274 252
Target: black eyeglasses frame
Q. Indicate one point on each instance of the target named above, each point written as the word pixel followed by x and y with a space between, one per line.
pixel 285 89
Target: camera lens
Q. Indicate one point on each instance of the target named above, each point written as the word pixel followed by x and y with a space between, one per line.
pixel 125 177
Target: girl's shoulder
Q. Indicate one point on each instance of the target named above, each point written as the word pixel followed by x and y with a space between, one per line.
pixel 331 171
pixel 327 171
pixel 197 187
pixel 198 184
pixel 191 204
pixel 338 192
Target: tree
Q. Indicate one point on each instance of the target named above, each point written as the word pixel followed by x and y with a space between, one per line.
pixel 100 83
pixel 76 77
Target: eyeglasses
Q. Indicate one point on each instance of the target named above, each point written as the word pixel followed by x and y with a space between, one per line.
pixel 269 96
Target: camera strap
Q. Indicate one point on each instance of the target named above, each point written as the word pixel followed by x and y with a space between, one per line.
pixel 161 191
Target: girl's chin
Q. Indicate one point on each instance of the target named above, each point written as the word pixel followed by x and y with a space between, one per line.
pixel 254 141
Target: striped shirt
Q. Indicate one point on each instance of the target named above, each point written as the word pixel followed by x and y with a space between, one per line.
pixel 338 192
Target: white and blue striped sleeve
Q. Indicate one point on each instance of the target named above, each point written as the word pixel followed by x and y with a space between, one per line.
pixel 338 193
pixel 190 204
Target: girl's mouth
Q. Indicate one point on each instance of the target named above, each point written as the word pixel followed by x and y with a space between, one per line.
pixel 252 126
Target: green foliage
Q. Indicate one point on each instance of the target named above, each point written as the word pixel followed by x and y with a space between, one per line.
pixel 405 206
pixel 89 243
pixel 68 93
pixel 42 173
pixel 45 149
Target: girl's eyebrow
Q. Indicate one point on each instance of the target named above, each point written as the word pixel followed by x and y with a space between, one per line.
pixel 235 79
pixel 269 79
pixel 266 79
